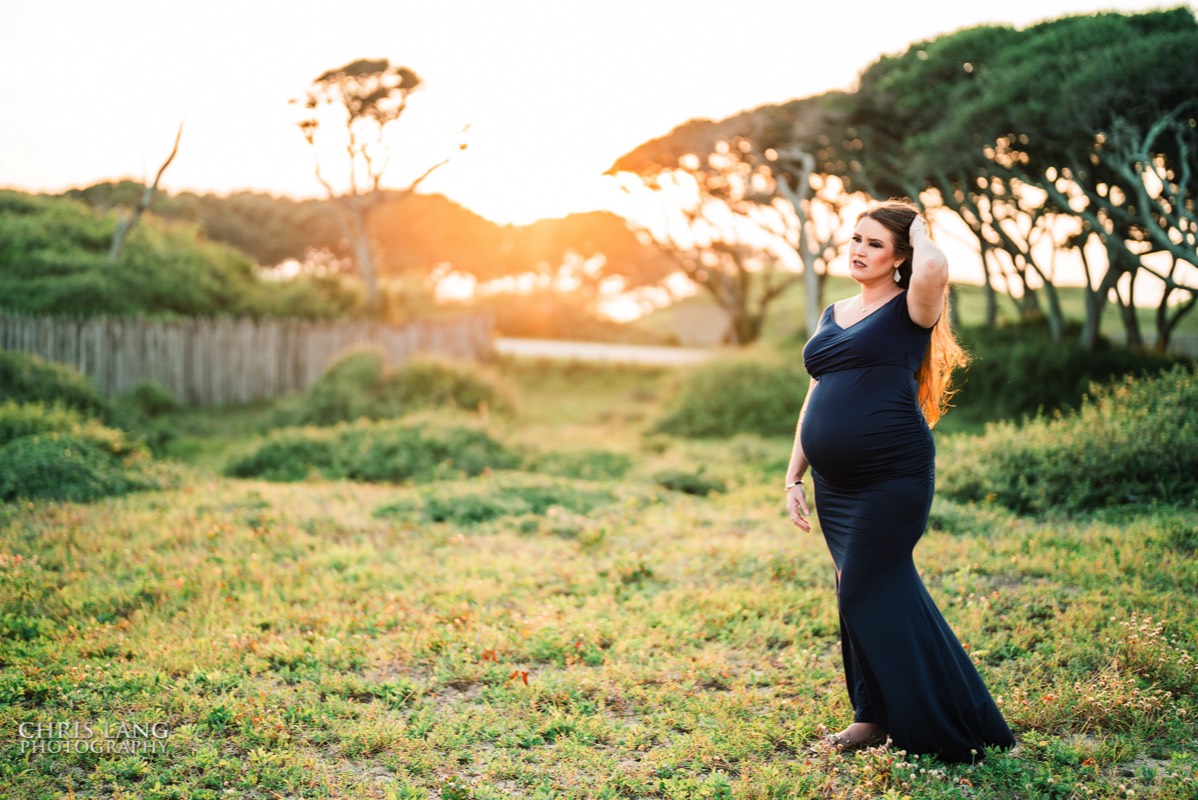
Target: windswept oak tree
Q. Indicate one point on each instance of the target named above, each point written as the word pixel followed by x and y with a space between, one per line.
pixel 1083 129
pixel 900 100
pixel 1069 109
pixel 739 197
pixel 359 101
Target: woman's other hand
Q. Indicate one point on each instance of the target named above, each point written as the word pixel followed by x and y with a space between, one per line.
pixel 796 506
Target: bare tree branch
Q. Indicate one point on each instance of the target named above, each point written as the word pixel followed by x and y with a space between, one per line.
pixel 126 224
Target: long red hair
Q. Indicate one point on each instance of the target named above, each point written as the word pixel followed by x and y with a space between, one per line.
pixel 944 353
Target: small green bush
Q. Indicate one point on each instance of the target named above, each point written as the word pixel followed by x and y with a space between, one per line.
pixel 346 391
pixel 357 385
pixel 145 414
pixel 58 453
pixel 79 466
pixel 374 451
pixel 30 419
pixel 505 496
pixel 1018 370
pixel 28 378
pixel 1131 442
pixel 152 399
pixel 589 464
pixel 694 482
pixel 437 382
pixel 744 393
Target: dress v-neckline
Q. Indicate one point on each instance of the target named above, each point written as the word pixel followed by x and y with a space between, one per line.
pixel 867 316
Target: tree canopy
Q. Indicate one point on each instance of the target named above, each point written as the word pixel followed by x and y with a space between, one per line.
pixel 358 102
pixel 1080 132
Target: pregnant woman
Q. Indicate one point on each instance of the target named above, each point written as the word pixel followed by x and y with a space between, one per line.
pixel 880 365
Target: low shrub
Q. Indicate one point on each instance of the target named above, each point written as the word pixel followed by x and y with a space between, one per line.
pixel 30 419
pixel 80 465
pixel 589 464
pixel 27 378
pixel 152 399
pixel 145 414
pixel 345 391
pixel 357 385
pixel 437 382
pixel 694 482
pixel 1134 441
pixel 743 393
pixel 1018 371
pixel 375 451
pixel 506 496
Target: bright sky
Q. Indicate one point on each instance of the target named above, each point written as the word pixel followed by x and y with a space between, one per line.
pixel 553 90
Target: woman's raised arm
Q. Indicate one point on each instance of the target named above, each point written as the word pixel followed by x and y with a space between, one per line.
pixel 929 276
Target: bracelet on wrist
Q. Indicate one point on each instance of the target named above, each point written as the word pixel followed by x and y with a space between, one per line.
pixel 790 486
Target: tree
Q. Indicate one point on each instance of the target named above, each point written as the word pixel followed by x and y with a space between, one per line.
pixel 1080 128
pixel 1108 132
pixel 740 199
pixel 717 233
pixel 897 134
pixel 364 97
pixel 126 223
pixel 807 172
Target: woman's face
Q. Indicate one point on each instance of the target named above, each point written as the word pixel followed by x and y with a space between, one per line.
pixel 871 251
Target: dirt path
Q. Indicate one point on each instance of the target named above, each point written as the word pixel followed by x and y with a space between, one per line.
pixel 600 351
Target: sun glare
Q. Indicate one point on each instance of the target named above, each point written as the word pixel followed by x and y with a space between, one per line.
pixel 527 194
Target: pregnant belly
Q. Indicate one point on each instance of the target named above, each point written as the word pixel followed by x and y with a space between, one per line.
pixel 863 426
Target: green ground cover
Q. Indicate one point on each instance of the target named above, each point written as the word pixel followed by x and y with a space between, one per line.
pixel 577 623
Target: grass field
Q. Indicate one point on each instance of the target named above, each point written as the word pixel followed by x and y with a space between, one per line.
pixel 615 638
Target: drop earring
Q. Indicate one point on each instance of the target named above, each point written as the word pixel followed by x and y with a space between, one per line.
pixel 898 277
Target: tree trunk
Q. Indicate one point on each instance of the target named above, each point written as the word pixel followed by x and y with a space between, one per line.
pixel 354 215
pixel 126 223
pixel 813 288
pixel 746 328
pixel 1122 261
pixel 1165 324
pixel 954 312
pixel 1056 319
pixel 1095 301
pixel 989 292
pixel 1131 322
pixel 799 197
pixel 365 256
pixel 967 210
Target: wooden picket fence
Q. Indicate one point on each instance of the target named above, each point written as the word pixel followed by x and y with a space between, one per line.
pixel 223 361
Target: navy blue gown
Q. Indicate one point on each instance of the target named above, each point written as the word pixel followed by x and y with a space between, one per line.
pixel 872 463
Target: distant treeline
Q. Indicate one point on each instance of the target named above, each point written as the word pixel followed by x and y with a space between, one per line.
pixel 414 233
pixel 204 255
pixel 54 260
